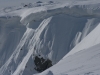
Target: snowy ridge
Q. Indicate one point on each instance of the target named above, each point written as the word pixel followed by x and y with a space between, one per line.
pixel 74 8
pixel 87 64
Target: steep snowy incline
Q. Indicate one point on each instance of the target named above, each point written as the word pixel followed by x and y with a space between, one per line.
pixel 53 44
pixel 32 42
pixel 6 67
pixel 11 31
pixel 84 62
pixel 30 33
pixel 83 59
pixel 90 40
pixel 30 36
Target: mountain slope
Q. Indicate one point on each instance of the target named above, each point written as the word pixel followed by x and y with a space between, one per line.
pixel 84 62
pixel 48 32
pixel 83 59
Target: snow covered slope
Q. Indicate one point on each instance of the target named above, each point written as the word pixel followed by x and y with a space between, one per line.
pixel 49 32
pixel 83 59
pixel 85 62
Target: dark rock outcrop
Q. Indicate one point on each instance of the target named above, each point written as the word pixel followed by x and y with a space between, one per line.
pixel 42 64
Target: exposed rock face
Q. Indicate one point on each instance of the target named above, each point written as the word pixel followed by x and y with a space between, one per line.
pixel 42 64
